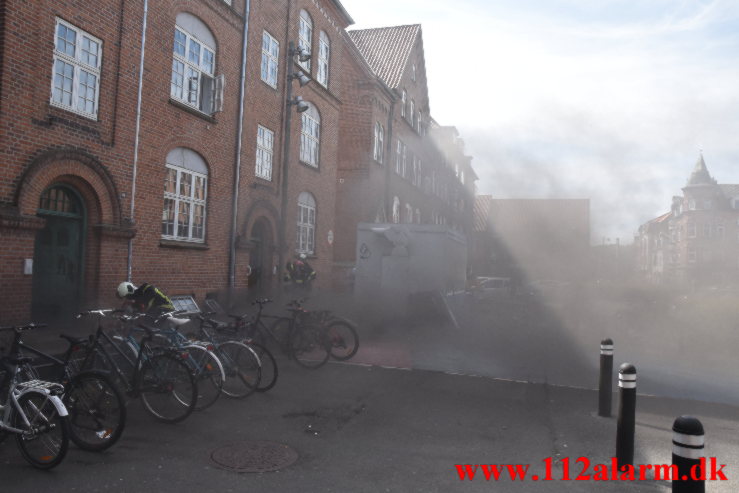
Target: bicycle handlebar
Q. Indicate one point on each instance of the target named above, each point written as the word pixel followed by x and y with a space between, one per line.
pixel 18 328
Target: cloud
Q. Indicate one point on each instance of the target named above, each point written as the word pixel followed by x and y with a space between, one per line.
pixel 608 100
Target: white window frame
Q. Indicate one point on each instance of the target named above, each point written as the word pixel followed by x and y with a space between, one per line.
pixel 190 199
pixel 324 54
pixel 265 146
pixel 270 67
pixel 403 99
pixel 79 68
pixel 408 213
pixel 310 137
pixel 378 152
pixel 412 114
pixel 305 36
pixel 195 85
pixel 305 241
pixel 396 210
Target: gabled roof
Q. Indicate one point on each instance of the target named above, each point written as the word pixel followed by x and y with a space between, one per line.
pixel 387 49
pixel 482 212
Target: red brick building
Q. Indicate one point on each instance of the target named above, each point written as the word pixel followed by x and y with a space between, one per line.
pixel 396 165
pixel 695 244
pixel 103 178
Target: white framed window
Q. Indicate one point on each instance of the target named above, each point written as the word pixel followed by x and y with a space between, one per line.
pixel 691 230
pixel 324 52
pixel 193 66
pixel 379 143
pixel 270 59
pixel 412 114
pixel 306 235
pixel 305 36
pixel 691 254
pixel 408 214
pixel 403 102
pixel 413 72
pixel 418 215
pixel 185 189
pixel 75 85
pixel 400 158
pixel 310 137
pixel 396 210
pixel 265 143
pixel 418 123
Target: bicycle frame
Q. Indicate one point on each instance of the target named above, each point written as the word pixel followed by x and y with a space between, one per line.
pixel 18 389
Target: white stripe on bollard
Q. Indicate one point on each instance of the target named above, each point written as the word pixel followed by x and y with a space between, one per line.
pixel 690 440
pixel 626 385
pixel 628 377
pixel 687 453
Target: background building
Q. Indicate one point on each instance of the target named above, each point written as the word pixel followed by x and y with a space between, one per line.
pixel 696 242
pixel 532 239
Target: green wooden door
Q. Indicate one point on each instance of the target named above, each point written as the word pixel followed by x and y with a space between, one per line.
pixel 57 259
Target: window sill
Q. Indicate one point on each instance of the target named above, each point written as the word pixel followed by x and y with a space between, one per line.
pixel 314 167
pixel 185 245
pixel 192 110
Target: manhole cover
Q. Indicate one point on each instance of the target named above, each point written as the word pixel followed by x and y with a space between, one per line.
pixel 253 456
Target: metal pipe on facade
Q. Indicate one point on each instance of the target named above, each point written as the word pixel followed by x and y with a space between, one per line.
pixel 239 139
pixel 285 160
pixel 137 135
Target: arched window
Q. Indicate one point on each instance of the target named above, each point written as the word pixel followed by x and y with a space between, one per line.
pixel 305 36
pixel 185 188
pixel 193 66
pixel 305 240
pixel 324 52
pixel 396 210
pixel 403 102
pixel 379 144
pixel 310 137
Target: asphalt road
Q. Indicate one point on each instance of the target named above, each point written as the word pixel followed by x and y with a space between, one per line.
pixel 367 428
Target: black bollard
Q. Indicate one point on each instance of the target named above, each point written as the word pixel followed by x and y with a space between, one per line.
pixel 606 378
pixel 687 451
pixel 626 415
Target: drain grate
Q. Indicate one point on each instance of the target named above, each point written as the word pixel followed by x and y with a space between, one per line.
pixel 253 456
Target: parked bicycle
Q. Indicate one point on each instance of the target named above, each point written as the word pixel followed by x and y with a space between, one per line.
pixel 305 342
pixel 33 411
pixel 203 362
pixel 159 376
pixel 97 409
pixel 238 356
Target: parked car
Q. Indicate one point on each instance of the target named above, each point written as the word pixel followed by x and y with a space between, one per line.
pixel 492 288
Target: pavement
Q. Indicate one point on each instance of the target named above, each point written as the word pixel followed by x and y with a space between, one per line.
pixel 377 424
pixel 511 386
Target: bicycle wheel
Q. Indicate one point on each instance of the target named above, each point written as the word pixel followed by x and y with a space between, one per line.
pixel 45 443
pixel 309 346
pixel 168 389
pixel 343 338
pixel 280 330
pixel 269 367
pixel 208 372
pixel 242 367
pixel 97 411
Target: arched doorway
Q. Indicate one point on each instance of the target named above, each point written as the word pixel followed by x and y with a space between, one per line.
pixel 58 252
pixel 260 255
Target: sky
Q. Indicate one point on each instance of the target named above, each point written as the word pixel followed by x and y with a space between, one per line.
pixel 610 100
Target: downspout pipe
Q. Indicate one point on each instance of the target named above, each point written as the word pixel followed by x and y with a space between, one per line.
pixel 388 171
pixel 237 161
pixel 137 137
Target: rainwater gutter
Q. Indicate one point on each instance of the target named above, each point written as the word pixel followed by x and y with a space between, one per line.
pixel 237 165
pixel 136 140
